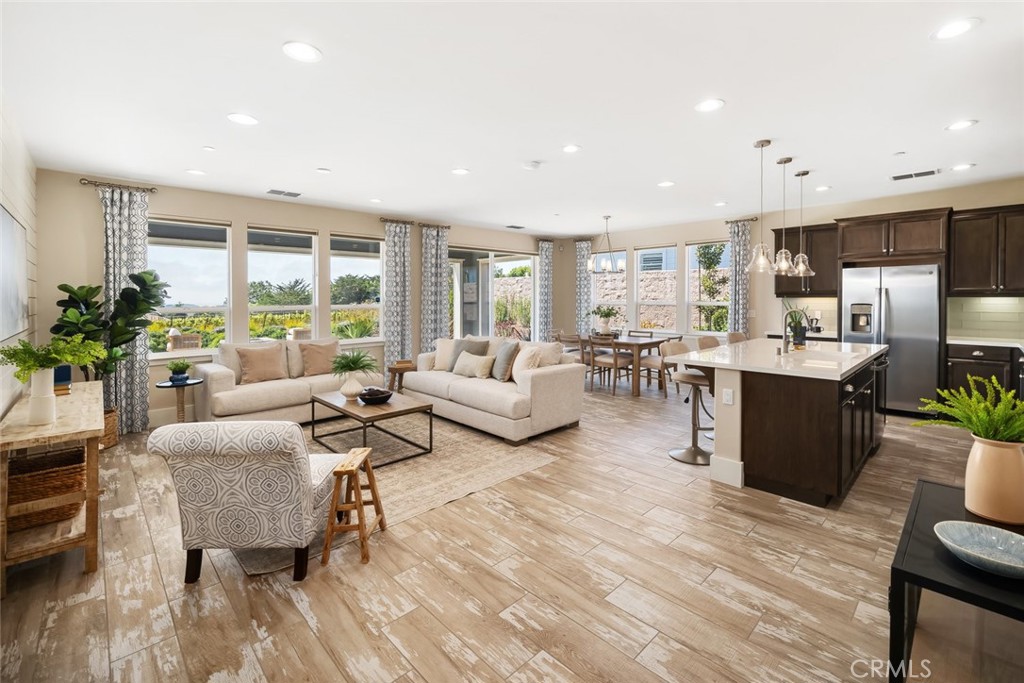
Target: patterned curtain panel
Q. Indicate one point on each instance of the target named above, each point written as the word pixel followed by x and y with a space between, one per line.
pixel 739 289
pixel 583 298
pixel 435 319
pixel 545 288
pixel 397 284
pixel 126 220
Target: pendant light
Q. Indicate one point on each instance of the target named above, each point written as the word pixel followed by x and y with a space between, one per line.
pixel 800 263
pixel 784 259
pixel 760 257
pixel 594 263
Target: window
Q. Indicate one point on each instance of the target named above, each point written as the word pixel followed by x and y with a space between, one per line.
pixel 656 288
pixel 491 293
pixel 280 289
pixel 609 289
pixel 513 296
pixel 708 275
pixel 194 260
pixel 355 288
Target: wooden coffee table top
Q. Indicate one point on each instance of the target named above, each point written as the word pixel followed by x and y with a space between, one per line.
pixel 397 406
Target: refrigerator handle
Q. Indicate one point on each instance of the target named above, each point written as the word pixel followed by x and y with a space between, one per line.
pixel 884 312
pixel 877 331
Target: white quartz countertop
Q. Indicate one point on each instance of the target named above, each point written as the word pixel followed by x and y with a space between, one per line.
pixel 986 341
pixel 821 360
pixel 824 334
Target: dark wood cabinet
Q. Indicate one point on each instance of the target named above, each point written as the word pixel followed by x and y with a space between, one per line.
pixel 980 361
pixel 911 233
pixel 986 250
pixel 820 243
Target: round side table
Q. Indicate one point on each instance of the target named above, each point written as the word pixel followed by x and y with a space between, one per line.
pixel 190 382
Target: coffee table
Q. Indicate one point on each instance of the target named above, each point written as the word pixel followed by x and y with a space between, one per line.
pixel 369 415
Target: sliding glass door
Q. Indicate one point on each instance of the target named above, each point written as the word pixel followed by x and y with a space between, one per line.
pixel 492 293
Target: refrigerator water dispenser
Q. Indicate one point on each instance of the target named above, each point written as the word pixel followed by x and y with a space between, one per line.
pixel 860 318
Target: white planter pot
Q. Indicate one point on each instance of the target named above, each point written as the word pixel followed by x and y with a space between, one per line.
pixel 350 386
pixel 994 481
pixel 605 326
pixel 42 404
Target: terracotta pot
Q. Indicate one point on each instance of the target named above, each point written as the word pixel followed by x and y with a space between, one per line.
pixel 994 481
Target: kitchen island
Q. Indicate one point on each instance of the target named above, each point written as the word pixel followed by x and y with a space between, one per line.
pixel 799 424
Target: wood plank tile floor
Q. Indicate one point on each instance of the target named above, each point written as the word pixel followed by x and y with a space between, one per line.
pixel 613 563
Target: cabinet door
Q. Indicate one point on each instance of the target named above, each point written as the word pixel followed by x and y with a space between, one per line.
pixel 822 249
pixel 1011 252
pixel 958 370
pixel 863 238
pixel 785 285
pixel 923 235
pixel 973 252
pixel 847 438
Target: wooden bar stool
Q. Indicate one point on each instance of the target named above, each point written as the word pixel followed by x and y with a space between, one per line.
pixel 339 515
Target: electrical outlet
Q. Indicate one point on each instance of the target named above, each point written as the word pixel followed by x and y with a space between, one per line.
pixel 727 397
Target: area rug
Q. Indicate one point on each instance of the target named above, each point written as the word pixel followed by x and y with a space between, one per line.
pixel 463 461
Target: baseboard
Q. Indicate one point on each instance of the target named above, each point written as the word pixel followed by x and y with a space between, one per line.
pixel 727 471
pixel 158 417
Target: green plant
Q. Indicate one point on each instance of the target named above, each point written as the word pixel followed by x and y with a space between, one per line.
pixel 178 366
pixel 353 361
pixel 605 312
pixel 994 415
pixel 794 316
pixel 83 313
pixel 74 350
pixel 357 328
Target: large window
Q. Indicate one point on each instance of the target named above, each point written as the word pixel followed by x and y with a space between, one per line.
pixel 280 284
pixel 491 294
pixel 194 260
pixel 355 288
pixel 656 288
pixel 609 288
pixel 708 275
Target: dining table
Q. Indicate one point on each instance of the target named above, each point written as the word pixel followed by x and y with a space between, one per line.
pixel 637 345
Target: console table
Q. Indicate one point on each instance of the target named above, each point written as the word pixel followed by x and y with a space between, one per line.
pixel 79 418
pixel 921 561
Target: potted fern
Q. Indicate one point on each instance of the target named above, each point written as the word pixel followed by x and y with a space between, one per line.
pixel 994 480
pixel 347 364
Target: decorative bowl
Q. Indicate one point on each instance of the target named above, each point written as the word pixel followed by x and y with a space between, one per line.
pixel 984 546
pixel 374 396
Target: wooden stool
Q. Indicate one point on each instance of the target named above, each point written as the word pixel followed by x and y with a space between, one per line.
pixel 339 515
pixel 398 370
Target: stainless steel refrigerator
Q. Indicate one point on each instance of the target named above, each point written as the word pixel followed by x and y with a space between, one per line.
pixel 898 306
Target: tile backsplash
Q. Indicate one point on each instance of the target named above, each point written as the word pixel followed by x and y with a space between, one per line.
pixel 997 317
pixel 826 307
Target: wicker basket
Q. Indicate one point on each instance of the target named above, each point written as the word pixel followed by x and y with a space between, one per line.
pixel 32 477
pixel 110 431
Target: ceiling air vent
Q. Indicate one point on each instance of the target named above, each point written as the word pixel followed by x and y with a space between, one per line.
pixel 282 193
pixel 919 174
pixel 515 227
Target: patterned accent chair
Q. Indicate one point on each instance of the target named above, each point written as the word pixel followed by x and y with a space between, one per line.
pixel 246 485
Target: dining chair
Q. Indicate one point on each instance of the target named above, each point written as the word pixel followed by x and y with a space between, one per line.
pixel 707 342
pixel 735 338
pixel 570 343
pixel 657 363
pixel 608 355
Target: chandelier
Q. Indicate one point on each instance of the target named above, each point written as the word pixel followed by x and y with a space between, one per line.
pixel 605 262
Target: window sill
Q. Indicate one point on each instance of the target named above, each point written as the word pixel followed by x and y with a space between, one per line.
pixel 159 358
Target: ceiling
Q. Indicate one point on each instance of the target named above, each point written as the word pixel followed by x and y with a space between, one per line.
pixel 406 92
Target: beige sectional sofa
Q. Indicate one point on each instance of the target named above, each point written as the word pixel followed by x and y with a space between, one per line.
pixel 537 399
pixel 223 396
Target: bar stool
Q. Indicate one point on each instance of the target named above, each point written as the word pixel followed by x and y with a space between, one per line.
pixel 694 454
pixel 339 515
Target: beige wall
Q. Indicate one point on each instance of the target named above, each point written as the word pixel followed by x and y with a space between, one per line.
pixel 18 196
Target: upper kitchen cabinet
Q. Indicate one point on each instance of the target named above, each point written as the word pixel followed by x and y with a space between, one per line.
pixel 986 248
pixel 910 233
pixel 820 243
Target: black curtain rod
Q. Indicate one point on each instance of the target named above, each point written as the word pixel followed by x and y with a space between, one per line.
pixel 740 220
pixel 395 220
pixel 431 225
pixel 133 188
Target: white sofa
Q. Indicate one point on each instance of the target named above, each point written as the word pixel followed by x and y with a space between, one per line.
pixel 222 396
pixel 543 399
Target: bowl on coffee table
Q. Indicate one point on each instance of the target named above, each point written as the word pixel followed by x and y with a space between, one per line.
pixel 372 396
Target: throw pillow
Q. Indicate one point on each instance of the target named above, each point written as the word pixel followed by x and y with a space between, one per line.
pixel 477 348
pixel 550 352
pixel 470 365
pixel 262 363
pixel 443 354
pixel 317 358
pixel 502 368
pixel 527 359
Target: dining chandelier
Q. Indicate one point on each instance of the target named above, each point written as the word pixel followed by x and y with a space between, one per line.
pixel 760 257
pixel 605 262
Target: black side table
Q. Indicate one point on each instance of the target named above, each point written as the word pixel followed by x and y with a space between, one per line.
pixel 191 382
pixel 921 561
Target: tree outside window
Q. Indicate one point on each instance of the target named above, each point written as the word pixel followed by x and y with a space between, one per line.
pixel 708 279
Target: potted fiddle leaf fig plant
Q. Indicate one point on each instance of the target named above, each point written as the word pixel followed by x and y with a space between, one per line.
pixel 605 314
pixel 38 362
pixel 994 479
pixel 345 365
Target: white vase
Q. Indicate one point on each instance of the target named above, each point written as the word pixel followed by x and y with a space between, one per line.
pixel 350 386
pixel 994 481
pixel 42 403
pixel 605 327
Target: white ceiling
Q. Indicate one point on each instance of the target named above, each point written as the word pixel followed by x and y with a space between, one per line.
pixel 407 92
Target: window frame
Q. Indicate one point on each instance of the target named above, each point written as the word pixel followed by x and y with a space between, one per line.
pixel 378 306
pixel 627 303
pixel 638 253
pixel 311 307
pixel 689 304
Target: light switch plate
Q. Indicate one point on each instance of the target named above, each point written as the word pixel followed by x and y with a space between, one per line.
pixel 727 397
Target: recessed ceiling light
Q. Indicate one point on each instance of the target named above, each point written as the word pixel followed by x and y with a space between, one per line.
pixel 376 201
pixel 571 149
pixel 207 148
pixel 460 171
pixel 710 105
pixel 242 119
pixel 323 170
pixel 962 167
pixel 721 203
pixel 302 52
pixel 956 28
pixel 666 183
pixel 195 171
pixel 823 188
pixel 960 125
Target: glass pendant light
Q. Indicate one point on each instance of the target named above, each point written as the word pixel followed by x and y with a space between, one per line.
pixel 595 264
pixel 800 263
pixel 760 257
pixel 784 259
